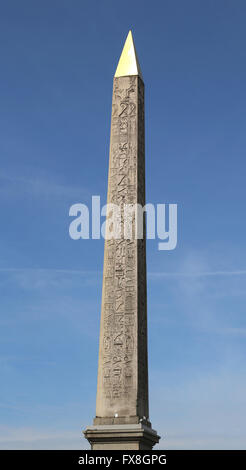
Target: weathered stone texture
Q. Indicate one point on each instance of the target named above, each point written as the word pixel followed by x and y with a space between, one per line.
pixel 123 369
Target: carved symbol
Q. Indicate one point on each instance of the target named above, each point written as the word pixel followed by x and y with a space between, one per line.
pixel 124 105
pixel 129 302
pixel 129 343
pixel 118 340
pixel 106 343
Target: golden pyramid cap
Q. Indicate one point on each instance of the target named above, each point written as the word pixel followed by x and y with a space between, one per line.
pixel 128 63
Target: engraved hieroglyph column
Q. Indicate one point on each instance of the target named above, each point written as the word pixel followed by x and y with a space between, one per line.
pixel 122 409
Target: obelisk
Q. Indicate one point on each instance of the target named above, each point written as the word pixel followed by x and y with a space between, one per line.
pixel 122 408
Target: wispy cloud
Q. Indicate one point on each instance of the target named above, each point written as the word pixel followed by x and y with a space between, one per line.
pixel 40 278
pixel 155 275
pixel 163 274
pixel 49 271
pixel 40 186
pixel 33 438
pixel 204 298
pixel 204 411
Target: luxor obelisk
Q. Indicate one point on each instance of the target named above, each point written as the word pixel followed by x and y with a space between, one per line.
pixel 122 409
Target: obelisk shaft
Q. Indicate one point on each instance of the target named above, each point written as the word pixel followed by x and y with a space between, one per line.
pixel 122 391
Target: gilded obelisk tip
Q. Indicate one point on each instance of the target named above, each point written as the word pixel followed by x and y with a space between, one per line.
pixel 128 63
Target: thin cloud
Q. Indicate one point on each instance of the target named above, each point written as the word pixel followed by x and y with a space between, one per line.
pixel 49 271
pixel 151 274
pixel 31 438
pixel 40 186
pixel 196 274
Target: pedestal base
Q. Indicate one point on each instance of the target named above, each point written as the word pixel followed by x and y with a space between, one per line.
pixel 121 437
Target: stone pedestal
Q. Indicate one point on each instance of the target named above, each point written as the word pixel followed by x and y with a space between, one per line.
pixel 121 437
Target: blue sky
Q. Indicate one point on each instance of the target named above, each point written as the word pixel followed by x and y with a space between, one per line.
pixel 58 59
